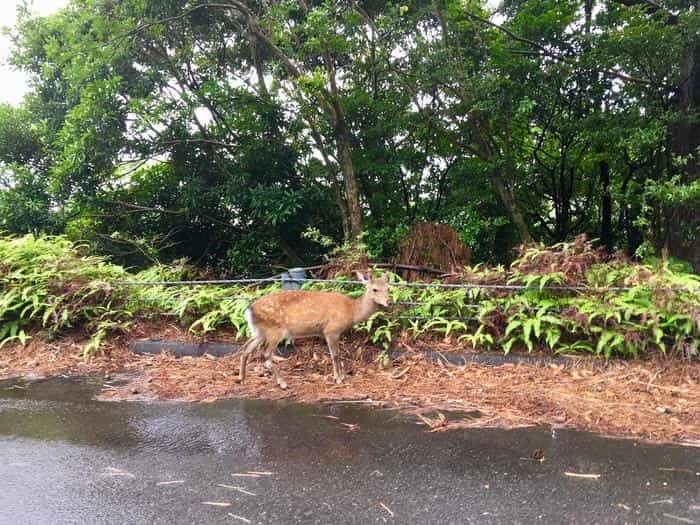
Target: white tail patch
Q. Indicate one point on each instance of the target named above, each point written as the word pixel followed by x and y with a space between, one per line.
pixel 254 330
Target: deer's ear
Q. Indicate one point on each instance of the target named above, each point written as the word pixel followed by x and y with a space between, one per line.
pixel 384 278
pixel 361 277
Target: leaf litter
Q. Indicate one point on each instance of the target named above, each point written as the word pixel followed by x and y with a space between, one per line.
pixel 582 475
pixel 240 518
pixel 619 398
pixel 239 489
pixel 391 512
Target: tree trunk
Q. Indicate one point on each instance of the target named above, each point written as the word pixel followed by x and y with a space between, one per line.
pixel 333 181
pixel 512 206
pixel 342 137
pixel 484 149
pixel 681 239
pixel 685 134
pixel 606 207
pixel 331 107
pixel 352 191
pixel 685 141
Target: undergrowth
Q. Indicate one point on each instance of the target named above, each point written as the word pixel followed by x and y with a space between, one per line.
pixel 49 286
pixel 574 300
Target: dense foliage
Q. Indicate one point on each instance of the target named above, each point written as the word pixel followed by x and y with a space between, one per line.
pixel 225 131
pixel 569 298
pixel 49 285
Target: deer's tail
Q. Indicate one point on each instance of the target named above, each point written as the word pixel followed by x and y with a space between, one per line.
pixel 254 330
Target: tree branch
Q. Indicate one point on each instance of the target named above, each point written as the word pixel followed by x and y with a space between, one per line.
pixel 651 7
pixel 220 143
pixel 552 54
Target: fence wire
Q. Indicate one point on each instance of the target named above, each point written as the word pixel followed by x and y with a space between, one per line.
pixel 465 286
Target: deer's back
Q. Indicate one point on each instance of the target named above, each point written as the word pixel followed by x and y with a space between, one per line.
pixel 299 313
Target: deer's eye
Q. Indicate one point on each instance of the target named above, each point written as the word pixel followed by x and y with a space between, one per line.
pixel 374 290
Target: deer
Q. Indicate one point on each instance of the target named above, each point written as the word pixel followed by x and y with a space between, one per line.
pixel 300 313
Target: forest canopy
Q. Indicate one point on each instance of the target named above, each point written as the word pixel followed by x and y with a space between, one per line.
pixel 248 134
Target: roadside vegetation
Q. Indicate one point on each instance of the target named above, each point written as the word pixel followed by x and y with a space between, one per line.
pixel 566 298
pixel 246 136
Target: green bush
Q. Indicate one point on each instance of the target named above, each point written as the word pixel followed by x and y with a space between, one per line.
pixel 45 281
pixel 49 284
pixel 573 300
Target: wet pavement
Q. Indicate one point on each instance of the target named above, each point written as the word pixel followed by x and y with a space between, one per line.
pixel 67 458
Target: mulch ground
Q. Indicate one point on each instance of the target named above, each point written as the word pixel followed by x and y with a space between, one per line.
pixel 654 400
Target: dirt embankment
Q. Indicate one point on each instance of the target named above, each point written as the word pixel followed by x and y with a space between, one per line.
pixel 650 400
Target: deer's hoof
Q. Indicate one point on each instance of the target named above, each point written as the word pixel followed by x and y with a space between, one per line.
pixel 283 385
pixel 238 380
pixel 339 380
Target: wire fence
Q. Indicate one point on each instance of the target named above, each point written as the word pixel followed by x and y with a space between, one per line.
pixel 297 282
pixel 466 286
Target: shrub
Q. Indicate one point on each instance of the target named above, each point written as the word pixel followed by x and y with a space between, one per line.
pixel 46 281
pixel 50 284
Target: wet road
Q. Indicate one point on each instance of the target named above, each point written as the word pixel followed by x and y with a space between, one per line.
pixel 66 458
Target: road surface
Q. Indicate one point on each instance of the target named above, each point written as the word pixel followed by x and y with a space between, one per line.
pixel 69 459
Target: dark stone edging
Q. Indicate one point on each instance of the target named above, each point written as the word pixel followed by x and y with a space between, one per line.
pixel 181 349
pixel 462 358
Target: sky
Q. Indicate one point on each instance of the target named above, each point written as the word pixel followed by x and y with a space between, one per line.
pixel 13 83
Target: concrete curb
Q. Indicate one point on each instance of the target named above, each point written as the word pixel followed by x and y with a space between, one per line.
pixel 181 349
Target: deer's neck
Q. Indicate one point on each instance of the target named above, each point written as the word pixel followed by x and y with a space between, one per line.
pixel 363 308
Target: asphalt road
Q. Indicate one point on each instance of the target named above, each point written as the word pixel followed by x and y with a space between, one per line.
pixel 66 458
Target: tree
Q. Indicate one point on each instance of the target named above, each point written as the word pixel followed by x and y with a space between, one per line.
pixel 25 202
pixel 222 130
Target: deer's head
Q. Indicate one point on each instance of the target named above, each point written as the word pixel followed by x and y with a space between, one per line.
pixel 376 289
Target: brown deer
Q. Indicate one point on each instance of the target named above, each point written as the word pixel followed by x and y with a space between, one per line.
pixel 294 314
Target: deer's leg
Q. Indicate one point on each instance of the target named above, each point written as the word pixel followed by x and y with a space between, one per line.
pixel 270 347
pixel 248 348
pixel 332 340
